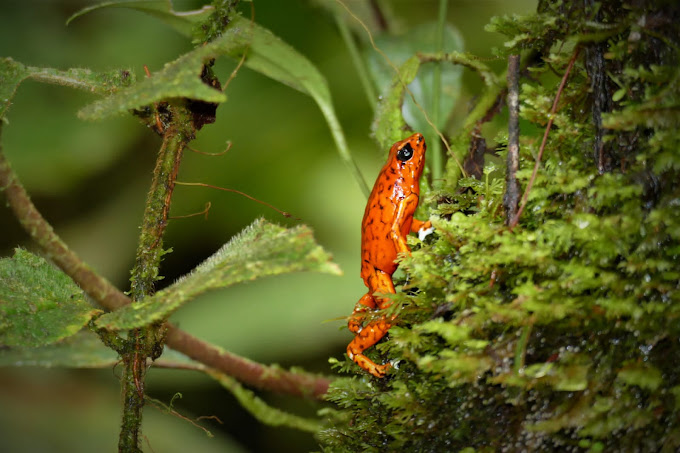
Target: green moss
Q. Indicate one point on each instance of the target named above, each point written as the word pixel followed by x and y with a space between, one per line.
pixel 560 333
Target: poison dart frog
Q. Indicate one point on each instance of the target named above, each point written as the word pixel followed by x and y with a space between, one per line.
pixel 387 220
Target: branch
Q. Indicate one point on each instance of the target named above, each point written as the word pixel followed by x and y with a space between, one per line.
pixel 108 296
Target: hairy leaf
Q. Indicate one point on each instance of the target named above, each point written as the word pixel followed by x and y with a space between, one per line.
pixel 260 250
pixel 12 73
pixel 82 350
pixel 39 304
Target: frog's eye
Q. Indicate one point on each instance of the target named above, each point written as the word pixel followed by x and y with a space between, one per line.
pixel 405 153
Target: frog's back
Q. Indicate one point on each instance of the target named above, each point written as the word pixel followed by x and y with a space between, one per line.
pixel 377 246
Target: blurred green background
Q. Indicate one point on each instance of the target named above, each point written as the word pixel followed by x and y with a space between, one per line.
pixel 90 181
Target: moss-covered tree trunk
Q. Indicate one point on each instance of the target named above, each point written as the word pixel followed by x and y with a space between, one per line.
pixel 562 332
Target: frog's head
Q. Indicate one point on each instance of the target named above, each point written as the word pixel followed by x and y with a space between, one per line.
pixel 408 155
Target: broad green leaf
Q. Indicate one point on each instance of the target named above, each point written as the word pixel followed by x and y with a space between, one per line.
pixel 400 49
pixel 260 250
pixel 261 410
pixel 12 73
pixel 183 22
pixel 82 350
pixel 39 304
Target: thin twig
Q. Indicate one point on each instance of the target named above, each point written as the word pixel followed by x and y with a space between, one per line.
pixel 283 213
pixel 205 211
pixel 551 118
pixel 358 61
pixel 511 197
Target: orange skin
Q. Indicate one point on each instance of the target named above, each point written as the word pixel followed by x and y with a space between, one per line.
pixel 387 220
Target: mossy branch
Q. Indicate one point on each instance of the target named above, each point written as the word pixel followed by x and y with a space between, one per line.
pixel 146 342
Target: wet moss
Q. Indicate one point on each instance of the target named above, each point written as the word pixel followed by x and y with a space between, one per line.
pixel 561 333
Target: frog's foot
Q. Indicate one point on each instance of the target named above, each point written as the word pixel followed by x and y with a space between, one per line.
pixel 368 365
pixel 365 338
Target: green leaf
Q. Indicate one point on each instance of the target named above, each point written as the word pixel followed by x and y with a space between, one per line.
pixel 260 250
pixel 12 73
pixel 39 304
pixel 183 22
pixel 179 79
pixel 261 410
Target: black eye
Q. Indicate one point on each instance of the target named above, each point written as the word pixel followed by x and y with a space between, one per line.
pixel 405 153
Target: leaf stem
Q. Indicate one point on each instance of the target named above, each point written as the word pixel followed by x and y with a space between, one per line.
pixel 341 144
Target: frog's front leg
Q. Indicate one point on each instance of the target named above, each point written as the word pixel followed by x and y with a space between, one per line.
pixel 373 332
pixel 418 225
pixel 405 209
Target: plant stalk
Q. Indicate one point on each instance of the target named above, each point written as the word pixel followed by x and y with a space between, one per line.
pixel 147 342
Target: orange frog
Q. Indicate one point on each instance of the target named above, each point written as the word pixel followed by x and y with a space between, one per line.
pixel 387 220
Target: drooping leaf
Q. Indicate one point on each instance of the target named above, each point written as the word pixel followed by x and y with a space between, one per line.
pixel 183 22
pixel 261 410
pixel 39 304
pixel 261 250
pixel 12 73
pixel 272 57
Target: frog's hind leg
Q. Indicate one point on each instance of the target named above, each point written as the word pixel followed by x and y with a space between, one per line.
pixel 373 332
pixel 366 303
pixel 367 337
